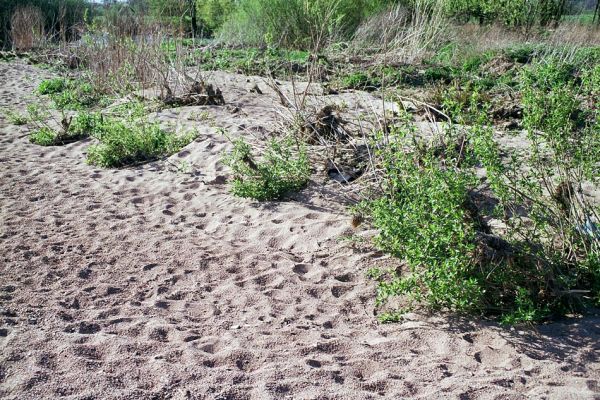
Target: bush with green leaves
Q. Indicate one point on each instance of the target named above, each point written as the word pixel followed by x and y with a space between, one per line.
pixel 514 13
pixel 123 143
pixel 43 136
pixel 283 168
pixel 546 261
pixel 69 94
pixel 213 13
pixel 422 219
pixel 253 61
pixel 52 86
pixel 306 24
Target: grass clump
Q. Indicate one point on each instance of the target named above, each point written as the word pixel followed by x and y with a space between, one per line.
pixel 360 81
pixel 72 129
pixel 128 143
pixel 15 117
pixel 284 168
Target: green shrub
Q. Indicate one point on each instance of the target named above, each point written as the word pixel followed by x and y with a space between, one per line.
pixel 252 61
pixel 77 96
pixel 43 136
pixel 282 169
pixel 69 94
pixel 213 13
pixel 306 24
pixel 546 262
pixel 52 86
pixel 439 73
pixel 128 143
pixel 513 13
pixel 360 81
pixel 85 124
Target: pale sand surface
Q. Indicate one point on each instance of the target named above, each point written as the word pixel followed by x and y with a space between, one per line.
pixel 149 283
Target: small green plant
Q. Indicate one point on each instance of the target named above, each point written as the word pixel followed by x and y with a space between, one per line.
pixel 72 129
pixel 15 117
pixel 78 95
pixel 360 81
pixel 127 143
pixel 84 124
pixel 43 136
pixel 69 94
pixel 52 86
pixel 283 168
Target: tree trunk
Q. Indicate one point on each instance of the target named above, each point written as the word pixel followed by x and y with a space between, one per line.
pixel 194 18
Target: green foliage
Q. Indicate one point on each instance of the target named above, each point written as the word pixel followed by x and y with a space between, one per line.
pixel 305 24
pixel 52 86
pixel 69 94
pixel 513 13
pixel 422 219
pixel 360 80
pixel 85 124
pixel 177 14
pixel 43 136
pixel 547 261
pixel 252 61
pixel 15 117
pixel 125 143
pixel 213 13
pixel 81 126
pixel 284 168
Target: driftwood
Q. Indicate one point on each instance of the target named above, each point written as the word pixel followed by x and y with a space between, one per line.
pixel 199 94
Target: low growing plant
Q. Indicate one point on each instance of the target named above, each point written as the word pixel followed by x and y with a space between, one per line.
pixel 123 143
pixel 69 94
pixel 283 168
pixel 15 117
pixel 72 129
pixel 52 86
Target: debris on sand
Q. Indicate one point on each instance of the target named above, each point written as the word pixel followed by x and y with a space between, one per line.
pixel 349 164
pixel 199 94
pixel 327 124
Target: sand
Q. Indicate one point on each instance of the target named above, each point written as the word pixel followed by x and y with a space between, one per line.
pixel 155 283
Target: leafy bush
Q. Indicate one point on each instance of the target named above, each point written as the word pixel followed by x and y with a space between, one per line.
pixel 252 61
pixel 546 261
pixel 296 23
pixel 283 169
pixel 52 86
pixel 126 143
pixel 213 13
pixel 422 219
pixel 43 136
pixel 360 80
pixel 513 13
pixel 76 97
pixel 69 94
